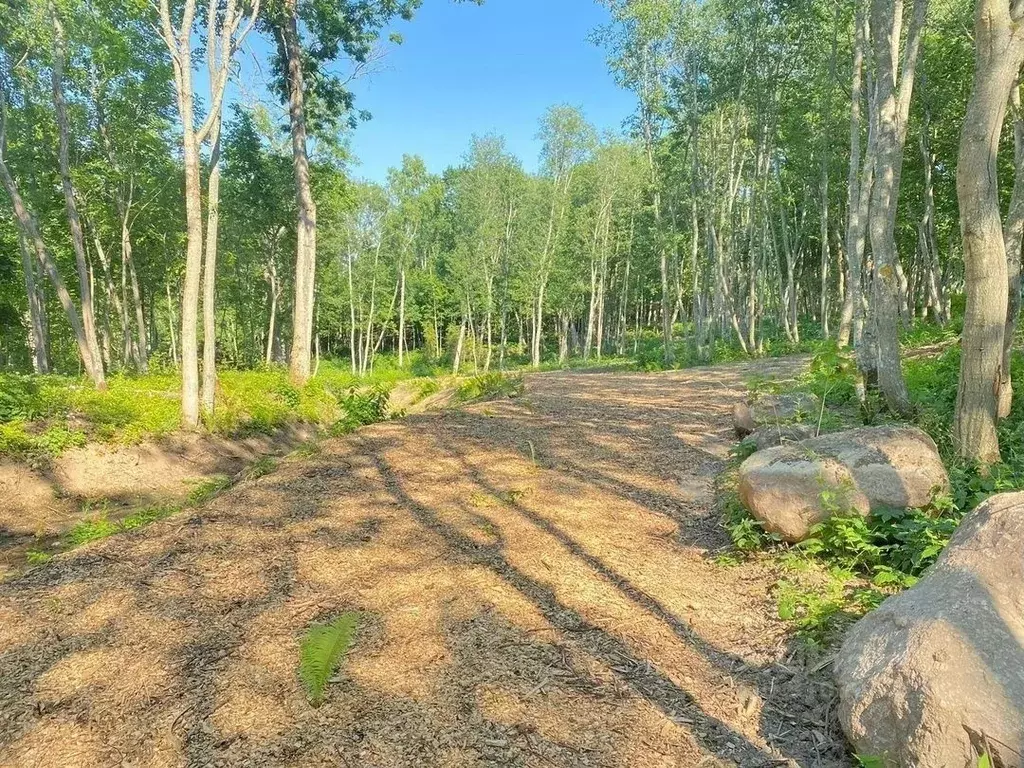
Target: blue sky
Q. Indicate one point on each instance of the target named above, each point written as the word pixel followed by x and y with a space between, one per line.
pixel 465 69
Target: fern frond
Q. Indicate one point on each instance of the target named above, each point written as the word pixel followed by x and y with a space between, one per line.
pixel 321 650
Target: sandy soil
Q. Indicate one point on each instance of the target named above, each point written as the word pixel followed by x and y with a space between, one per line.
pixel 537 583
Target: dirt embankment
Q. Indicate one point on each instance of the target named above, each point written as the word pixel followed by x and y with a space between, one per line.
pixel 39 503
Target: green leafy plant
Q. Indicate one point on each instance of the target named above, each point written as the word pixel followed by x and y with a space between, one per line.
pixel 321 651
pixel 489 386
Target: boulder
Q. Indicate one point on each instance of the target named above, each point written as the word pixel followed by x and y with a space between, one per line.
pixel 935 675
pixel 773 410
pixel 860 470
pixel 743 420
pixel 769 437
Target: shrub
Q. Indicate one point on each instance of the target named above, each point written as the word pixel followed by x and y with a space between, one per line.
pixel 489 386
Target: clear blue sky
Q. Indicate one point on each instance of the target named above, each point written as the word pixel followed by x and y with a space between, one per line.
pixel 465 69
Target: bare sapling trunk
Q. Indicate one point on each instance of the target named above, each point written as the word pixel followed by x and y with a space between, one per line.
pixel 858 198
pixel 172 324
pixel 209 388
pixel 401 320
pixel 36 312
pixel 894 84
pixel 224 36
pixel 999 51
pixel 94 366
pixel 1013 229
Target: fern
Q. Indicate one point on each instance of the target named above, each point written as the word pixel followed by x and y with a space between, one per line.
pixel 322 648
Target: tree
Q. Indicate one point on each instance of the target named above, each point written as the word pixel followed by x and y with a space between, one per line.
pixel 890 108
pixel 224 34
pixel 999 52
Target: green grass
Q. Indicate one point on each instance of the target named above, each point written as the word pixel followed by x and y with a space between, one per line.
pixel 101 527
pixel 206 489
pixel 43 416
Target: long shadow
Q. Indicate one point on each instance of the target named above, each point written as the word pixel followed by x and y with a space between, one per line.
pixel 643 678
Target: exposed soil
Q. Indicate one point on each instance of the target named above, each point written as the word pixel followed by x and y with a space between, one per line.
pixel 37 504
pixel 538 588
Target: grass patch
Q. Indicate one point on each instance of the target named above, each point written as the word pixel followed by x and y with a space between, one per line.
pixel 101 527
pixel 206 489
pixel 43 416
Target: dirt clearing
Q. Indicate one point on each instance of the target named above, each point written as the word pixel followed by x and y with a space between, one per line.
pixel 537 583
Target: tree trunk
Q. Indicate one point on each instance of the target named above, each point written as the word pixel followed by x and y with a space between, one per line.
pixel 209 391
pixel 29 230
pixel 94 366
pixel 457 362
pixel 1013 230
pixel 172 322
pixel 36 312
pixel 890 106
pixel 401 320
pixel 305 260
pixel 860 182
pixel 999 51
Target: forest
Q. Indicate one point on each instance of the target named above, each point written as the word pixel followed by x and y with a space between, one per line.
pixel 790 175
pixel 814 217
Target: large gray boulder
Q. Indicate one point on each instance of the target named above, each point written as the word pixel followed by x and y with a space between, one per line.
pixel 792 488
pixel 772 410
pixel 937 672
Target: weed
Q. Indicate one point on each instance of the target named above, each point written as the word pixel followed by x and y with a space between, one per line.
pixel 91 530
pixel 206 489
pixel 261 467
pixel 307 450
pixel 101 527
pixel 489 386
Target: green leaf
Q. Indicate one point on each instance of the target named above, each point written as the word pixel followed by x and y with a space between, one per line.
pixel 320 652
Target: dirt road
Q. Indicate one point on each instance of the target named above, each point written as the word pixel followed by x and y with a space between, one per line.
pixel 538 585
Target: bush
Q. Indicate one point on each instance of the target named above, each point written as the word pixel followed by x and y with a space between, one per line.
pixel 489 386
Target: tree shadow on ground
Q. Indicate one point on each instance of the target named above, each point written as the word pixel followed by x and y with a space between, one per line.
pixel 178 644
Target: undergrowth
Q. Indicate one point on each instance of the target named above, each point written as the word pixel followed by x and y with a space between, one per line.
pixel 489 386
pixel 850 563
pixel 43 416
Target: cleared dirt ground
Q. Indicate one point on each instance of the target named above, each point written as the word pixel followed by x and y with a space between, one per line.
pixel 538 585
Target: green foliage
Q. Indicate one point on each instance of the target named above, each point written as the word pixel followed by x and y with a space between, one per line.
pixel 489 386
pixel 37 557
pixel 321 651
pixel 362 408
pixel 260 468
pixel 870 762
pixel 206 489
pixel 101 527
pixel 17 440
pixel 746 532
pixel 823 611
pixel 39 408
